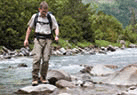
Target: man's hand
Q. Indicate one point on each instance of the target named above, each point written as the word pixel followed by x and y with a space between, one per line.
pixel 26 43
pixel 56 38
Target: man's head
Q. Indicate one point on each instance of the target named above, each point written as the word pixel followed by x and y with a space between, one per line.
pixel 43 9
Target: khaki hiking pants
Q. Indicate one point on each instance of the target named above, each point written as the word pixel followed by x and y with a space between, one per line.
pixel 41 57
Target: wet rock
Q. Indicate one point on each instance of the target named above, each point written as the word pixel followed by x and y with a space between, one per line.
pixel 63 51
pixel 22 65
pixel 87 69
pixel 112 66
pixel 11 67
pixel 54 75
pixel 79 83
pixel 87 84
pixel 92 52
pixel 101 70
pixel 126 76
pixel 58 52
pixel 5 50
pixel 75 50
pixel 64 83
pixel 7 56
pixel 25 51
pixel 102 51
pixel 111 48
pixel 69 52
pixel 40 89
pixel 103 48
pixel 132 46
pixel 130 91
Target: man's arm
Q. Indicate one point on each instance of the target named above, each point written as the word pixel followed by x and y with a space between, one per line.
pixel 57 34
pixel 26 42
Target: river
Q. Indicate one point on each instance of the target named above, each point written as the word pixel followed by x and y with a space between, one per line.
pixel 11 79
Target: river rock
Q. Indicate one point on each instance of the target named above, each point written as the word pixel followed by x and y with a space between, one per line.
pixel 129 91
pixel 111 66
pixel 126 76
pixel 25 51
pixel 42 88
pixel 22 65
pixel 63 51
pixel 102 51
pixel 58 52
pixel 75 50
pixel 64 83
pixel 101 70
pixel 111 48
pixel 55 75
pixel 122 42
pixel 7 56
pixel 132 46
pixel 69 52
pixel 87 84
pixel 86 69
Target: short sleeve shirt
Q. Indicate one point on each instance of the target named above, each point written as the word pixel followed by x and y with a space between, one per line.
pixel 43 28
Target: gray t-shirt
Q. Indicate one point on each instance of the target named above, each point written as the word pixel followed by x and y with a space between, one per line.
pixel 43 28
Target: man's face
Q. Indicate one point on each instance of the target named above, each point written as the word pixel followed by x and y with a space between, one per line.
pixel 43 12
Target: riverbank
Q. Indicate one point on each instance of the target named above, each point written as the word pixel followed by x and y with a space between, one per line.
pixel 64 48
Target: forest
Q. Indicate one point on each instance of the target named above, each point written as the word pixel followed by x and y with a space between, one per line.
pixel 81 23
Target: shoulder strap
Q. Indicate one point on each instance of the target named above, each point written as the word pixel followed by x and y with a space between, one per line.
pixel 48 16
pixel 35 20
pixel 50 20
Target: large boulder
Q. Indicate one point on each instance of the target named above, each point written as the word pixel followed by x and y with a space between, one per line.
pixel 126 76
pixel 64 84
pixel 55 75
pixel 101 70
pixel 40 89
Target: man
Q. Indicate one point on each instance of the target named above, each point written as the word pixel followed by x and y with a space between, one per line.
pixel 42 42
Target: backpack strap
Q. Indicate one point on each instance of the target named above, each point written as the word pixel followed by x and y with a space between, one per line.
pixel 36 19
pixel 50 20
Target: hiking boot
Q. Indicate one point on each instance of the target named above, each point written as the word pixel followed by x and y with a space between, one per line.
pixel 43 80
pixel 34 83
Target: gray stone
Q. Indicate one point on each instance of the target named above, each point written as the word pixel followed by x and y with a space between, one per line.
pixel 111 48
pixel 42 88
pixel 64 84
pixel 126 76
pixel 62 50
pixel 22 65
pixel 130 91
pixel 55 75
pixel 101 70
pixel 88 84
pixel 132 46
pixel 122 42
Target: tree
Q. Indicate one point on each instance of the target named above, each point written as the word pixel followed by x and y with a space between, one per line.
pixel 105 27
pixel 14 17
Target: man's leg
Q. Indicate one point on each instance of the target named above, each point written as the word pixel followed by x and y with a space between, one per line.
pixel 45 58
pixel 36 59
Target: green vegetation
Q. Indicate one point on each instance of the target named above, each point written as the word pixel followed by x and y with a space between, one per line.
pixel 104 43
pixel 121 9
pixel 80 24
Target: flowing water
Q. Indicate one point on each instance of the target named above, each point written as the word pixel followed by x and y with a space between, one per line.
pixel 11 79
